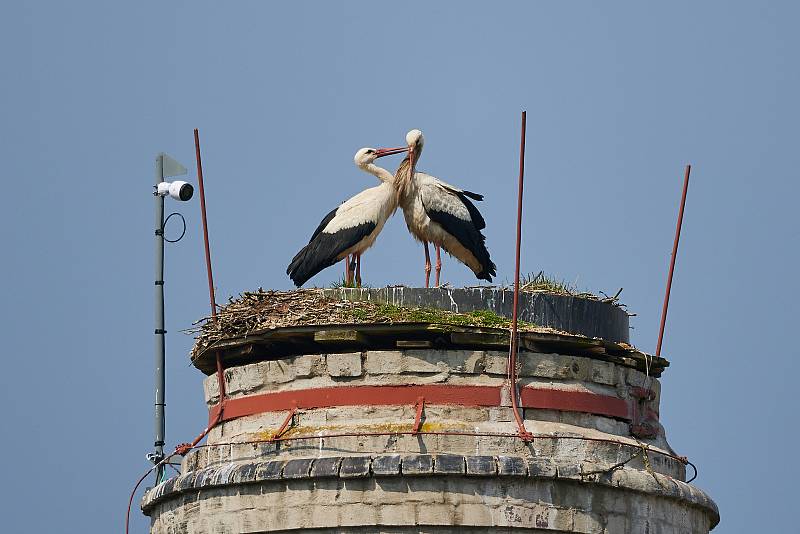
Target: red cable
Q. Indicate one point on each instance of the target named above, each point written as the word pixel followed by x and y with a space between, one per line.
pixel 184 448
pixel 133 493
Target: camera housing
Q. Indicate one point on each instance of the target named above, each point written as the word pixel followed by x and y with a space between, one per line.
pixel 178 190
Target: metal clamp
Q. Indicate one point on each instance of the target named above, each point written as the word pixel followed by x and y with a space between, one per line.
pixel 418 417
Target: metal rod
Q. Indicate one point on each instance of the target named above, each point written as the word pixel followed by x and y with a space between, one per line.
pixel 209 271
pixel 205 225
pixel 160 348
pixel 220 383
pixel 513 346
pixel 672 260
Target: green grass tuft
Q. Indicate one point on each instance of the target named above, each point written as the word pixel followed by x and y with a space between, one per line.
pixel 338 284
pixel 543 282
pixel 397 314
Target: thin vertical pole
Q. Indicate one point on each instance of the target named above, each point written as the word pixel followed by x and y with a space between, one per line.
pixel 514 345
pixel 672 260
pixel 160 348
pixel 205 225
pixel 211 292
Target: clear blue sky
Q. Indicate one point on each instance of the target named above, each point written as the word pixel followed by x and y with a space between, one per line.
pixel 620 95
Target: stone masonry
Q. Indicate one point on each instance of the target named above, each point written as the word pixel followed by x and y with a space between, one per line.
pixel 363 469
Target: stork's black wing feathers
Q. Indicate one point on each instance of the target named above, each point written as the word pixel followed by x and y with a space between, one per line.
pixel 473 196
pixel 469 236
pixel 324 250
pixel 324 223
pixel 320 228
pixel 475 215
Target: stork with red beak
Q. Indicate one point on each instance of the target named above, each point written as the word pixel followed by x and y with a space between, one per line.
pixel 439 213
pixel 351 228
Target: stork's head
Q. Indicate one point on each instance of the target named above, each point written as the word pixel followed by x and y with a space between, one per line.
pixel 415 140
pixel 365 156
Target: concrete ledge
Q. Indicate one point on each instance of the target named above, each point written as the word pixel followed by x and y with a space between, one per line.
pixel 557 445
pixel 425 465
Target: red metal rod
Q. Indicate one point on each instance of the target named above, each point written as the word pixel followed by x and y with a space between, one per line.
pixel 205 225
pixel 215 415
pixel 418 417
pixel 211 293
pixel 220 381
pixel 513 346
pixel 672 261
pixel 282 428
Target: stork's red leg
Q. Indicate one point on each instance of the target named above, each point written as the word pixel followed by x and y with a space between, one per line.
pixel 427 265
pixel 358 269
pixel 350 268
pixel 438 263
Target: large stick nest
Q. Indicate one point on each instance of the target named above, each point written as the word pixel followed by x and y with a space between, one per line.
pixel 261 310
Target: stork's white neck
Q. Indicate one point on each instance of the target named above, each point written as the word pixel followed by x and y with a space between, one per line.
pixel 379 172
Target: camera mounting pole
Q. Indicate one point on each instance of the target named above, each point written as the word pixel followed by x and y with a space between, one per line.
pixel 165 166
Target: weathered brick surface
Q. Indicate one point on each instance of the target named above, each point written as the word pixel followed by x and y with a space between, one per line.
pixel 326 467
pixel 603 373
pixel 298 468
pixel 437 493
pixel 269 470
pixel 354 467
pixel 343 365
pixel 386 465
pixel 493 504
pixel 511 466
pixel 452 464
pixel 481 465
pixel 397 482
pixel 542 467
pixel 417 464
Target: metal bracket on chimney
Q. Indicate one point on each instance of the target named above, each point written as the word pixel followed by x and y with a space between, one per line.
pixel 418 418
pixel 278 433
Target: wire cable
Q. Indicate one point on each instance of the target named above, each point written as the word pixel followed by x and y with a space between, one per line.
pixel 183 233
pixel 641 446
pixel 136 487
pixel 695 471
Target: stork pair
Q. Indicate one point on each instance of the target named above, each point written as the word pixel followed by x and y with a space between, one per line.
pixel 435 212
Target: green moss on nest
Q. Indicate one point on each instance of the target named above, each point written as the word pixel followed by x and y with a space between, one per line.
pixel 397 314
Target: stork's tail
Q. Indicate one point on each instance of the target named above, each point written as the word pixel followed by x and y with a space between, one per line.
pixel 301 270
pixel 488 271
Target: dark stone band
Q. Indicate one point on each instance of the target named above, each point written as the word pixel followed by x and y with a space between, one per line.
pixel 350 467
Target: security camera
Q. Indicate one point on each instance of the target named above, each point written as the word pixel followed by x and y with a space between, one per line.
pixel 177 190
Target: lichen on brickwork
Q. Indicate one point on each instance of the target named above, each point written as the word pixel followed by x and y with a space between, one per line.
pixel 366 428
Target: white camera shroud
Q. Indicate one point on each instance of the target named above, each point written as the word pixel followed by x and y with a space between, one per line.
pixel 179 190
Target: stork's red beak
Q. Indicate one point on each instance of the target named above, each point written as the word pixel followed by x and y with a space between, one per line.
pixel 380 152
pixel 412 161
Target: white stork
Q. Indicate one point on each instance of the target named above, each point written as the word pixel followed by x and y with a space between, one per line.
pixel 442 214
pixel 352 227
